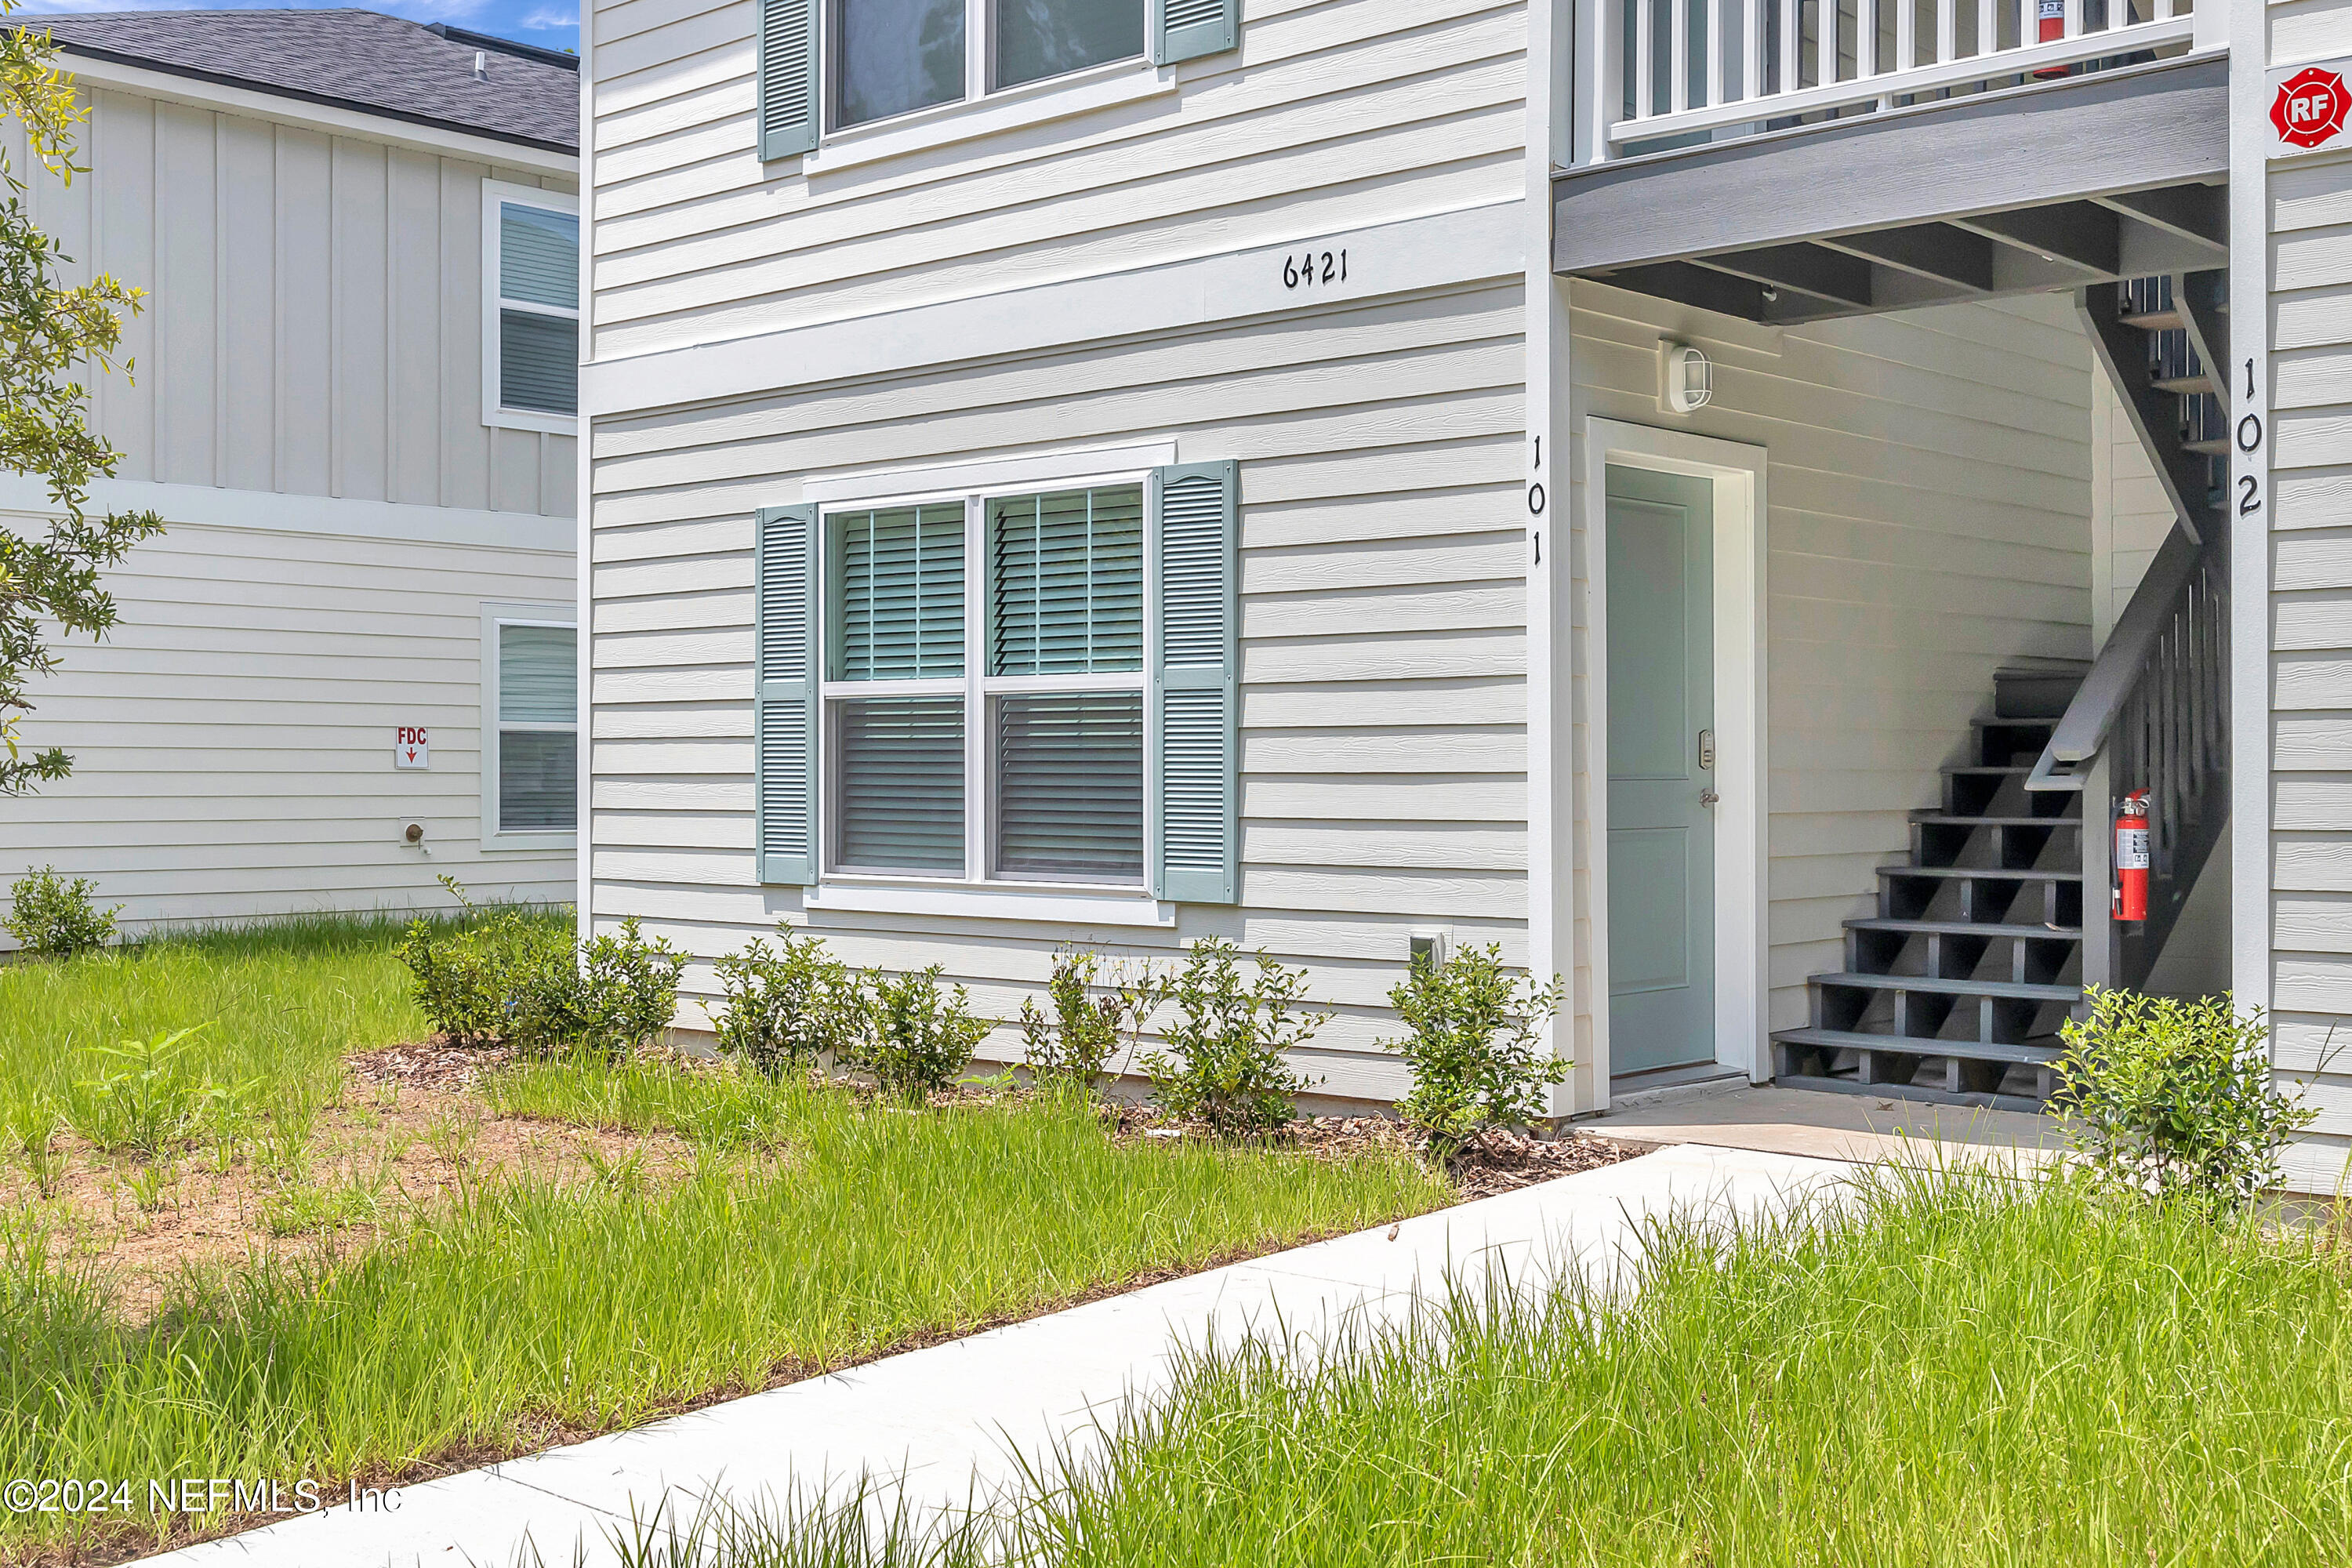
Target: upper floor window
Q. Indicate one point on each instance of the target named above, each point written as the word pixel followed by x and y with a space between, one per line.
pixel 893 57
pixel 843 64
pixel 530 295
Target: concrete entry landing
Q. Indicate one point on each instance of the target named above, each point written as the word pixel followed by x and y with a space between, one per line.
pixel 1851 1127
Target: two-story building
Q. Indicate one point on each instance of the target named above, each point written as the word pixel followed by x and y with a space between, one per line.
pixel 1724 497
pixel 350 664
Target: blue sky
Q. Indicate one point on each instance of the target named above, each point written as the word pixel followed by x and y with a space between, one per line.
pixel 550 24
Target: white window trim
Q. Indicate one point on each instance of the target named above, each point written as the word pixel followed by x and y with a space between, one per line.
pixel 1012 109
pixel 495 840
pixel 977 892
pixel 494 194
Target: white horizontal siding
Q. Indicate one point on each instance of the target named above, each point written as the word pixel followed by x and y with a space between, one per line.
pixel 2129 514
pixel 2311 667
pixel 312 321
pixel 1332 114
pixel 1927 475
pixel 231 736
pixel 1383 748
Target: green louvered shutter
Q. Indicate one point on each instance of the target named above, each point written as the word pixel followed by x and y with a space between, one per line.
pixel 1196 683
pixel 788 77
pixel 784 704
pixel 1190 28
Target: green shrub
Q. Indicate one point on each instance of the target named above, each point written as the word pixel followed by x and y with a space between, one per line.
pixel 1225 1062
pixel 54 918
pixel 620 994
pixel 1477 1047
pixel 915 1037
pixel 470 981
pixel 2176 1098
pixel 1093 1003
pixel 784 1008
pixel 509 976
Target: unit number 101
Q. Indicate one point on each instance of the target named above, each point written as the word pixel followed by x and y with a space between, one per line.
pixel 1300 272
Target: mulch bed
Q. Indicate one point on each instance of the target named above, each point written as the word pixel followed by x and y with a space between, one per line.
pixel 1496 1162
pixel 433 1064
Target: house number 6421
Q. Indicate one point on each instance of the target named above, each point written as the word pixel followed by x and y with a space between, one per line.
pixel 1309 268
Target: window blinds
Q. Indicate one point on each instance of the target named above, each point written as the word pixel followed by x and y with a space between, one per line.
pixel 901 792
pixel 1070 786
pixel 1068 592
pixel 898 591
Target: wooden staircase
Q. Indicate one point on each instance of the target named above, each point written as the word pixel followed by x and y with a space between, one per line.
pixel 1956 986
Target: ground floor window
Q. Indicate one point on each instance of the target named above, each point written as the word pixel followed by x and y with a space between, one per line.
pixel 530 723
pixel 1030 688
pixel 997 734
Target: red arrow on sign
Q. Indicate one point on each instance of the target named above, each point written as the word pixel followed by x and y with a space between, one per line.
pixel 2310 108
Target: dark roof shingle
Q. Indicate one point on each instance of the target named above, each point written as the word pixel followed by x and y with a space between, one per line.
pixel 362 59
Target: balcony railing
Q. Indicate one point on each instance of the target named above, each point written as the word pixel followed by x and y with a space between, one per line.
pixel 1700 70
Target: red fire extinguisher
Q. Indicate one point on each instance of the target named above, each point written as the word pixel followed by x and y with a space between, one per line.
pixel 2131 857
pixel 2052 15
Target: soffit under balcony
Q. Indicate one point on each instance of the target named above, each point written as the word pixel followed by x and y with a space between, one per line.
pixel 2116 173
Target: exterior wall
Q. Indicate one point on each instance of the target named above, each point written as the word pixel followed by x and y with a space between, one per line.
pixel 307 414
pixel 1930 484
pixel 2129 516
pixel 2309 213
pixel 1332 113
pixel 1927 487
pixel 1383 712
pixel 314 318
pixel 231 736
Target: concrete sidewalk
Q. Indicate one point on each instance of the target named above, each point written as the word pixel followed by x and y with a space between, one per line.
pixel 947 1420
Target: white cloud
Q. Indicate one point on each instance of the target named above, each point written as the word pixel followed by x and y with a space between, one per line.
pixel 548 19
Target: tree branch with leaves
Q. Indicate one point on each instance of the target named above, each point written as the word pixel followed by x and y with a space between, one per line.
pixel 50 328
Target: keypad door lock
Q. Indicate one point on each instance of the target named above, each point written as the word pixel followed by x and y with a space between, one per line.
pixel 1707 750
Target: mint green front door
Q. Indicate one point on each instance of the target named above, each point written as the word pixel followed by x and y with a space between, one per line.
pixel 1661 617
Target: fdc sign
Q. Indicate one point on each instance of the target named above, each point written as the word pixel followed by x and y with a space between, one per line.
pixel 2308 108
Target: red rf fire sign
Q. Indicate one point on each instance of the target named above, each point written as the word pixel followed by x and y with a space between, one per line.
pixel 2309 108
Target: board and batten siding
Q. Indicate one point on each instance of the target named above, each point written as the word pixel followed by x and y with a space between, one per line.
pixel 1383 700
pixel 1332 115
pixel 2310 203
pixel 1928 482
pixel 233 735
pixel 313 318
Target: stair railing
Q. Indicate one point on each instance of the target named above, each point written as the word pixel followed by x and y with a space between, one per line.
pixel 2155 708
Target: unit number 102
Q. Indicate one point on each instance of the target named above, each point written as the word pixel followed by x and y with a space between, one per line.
pixel 1298 271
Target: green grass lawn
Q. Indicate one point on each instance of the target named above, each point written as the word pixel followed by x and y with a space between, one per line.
pixel 279 1006
pixel 1960 1374
pixel 802 1228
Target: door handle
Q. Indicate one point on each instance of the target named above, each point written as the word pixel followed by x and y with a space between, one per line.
pixel 1708 797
